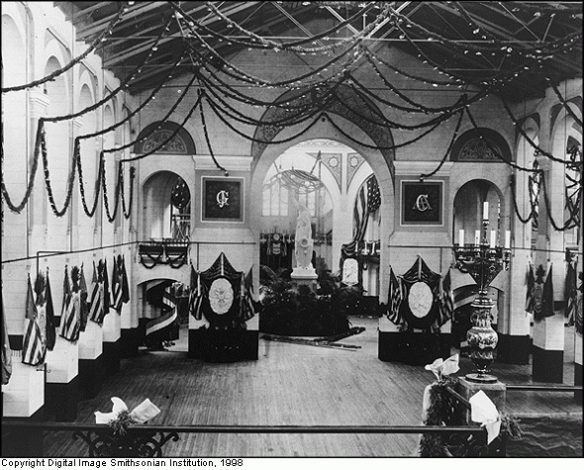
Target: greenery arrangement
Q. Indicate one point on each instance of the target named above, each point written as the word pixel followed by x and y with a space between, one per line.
pixel 443 411
pixel 296 310
pixel 120 425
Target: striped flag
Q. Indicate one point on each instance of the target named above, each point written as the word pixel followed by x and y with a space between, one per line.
pixel 249 305
pixel 70 312
pixel 395 299
pixel 33 347
pixel 124 280
pixel 464 295
pixel 543 296
pixel 570 290
pixel 196 295
pixel 6 352
pixel 96 310
pixel 446 300
pixel 116 287
pixel 368 201
pixel 529 301
pixel 83 305
pixel 51 330
pixel 106 289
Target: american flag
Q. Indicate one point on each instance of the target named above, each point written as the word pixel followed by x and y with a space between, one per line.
pixel 195 295
pixel 249 305
pixel 83 306
pixel 368 201
pixel 33 346
pixel 96 310
pixel 529 304
pixel 70 312
pixel 395 299
pixel 570 290
pixel 446 300
pixel 117 287
pixel 51 334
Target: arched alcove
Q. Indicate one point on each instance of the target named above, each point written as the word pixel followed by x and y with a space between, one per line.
pixel 468 211
pixel 166 213
pixel 480 145
pixel 155 134
pixel 324 129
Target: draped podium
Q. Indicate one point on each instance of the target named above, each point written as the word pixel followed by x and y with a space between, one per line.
pixel 223 297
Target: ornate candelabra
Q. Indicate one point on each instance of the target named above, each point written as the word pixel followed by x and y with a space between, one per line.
pixel 483 261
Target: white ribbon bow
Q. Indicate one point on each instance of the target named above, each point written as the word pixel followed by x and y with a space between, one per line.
pixel 442 367
pixel 484 411
pixel 142 413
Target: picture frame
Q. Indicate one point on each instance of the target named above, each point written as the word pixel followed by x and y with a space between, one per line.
pixel 422 202
pixel 222 199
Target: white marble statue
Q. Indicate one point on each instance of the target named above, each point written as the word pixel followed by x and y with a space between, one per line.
pixel 303 237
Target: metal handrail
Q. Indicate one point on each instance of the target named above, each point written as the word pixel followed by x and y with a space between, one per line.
pixel 250 429
pixel 544 388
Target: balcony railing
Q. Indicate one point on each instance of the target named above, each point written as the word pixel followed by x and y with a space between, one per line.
pixel 167 251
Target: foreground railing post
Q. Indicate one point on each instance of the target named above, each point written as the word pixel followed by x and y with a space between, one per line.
pixel 497 392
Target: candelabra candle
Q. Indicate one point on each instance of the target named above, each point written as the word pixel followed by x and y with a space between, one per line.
pixel 483 263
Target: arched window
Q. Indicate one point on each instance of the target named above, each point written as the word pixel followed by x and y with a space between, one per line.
pixel 480 145
pixel 156 137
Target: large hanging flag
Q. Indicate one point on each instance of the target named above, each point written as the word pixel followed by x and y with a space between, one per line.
pixel 395 299
pixel 530 289
pixel 51 327
pixel 33 347
pixel 70 316
pixel 196 293
pixel 6 352
pixel 543 294
pixel 124 280
pixel 96 301
pixel 117 300
pixel 570 290
pixel 368 201
pixel 39 292
pixel 249 305
pixel 83 304
pixel 446 308
pixel 106 289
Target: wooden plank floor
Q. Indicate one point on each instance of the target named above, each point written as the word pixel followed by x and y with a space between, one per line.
pixel 290 384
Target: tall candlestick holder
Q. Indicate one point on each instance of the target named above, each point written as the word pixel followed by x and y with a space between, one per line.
pixel 483 263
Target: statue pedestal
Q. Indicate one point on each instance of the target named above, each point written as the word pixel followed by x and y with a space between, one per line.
pixel 305 276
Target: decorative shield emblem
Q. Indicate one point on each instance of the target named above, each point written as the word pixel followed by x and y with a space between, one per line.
pixel 221 296
pixel 420 299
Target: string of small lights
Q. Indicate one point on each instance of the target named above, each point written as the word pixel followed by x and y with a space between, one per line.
pixel 424 176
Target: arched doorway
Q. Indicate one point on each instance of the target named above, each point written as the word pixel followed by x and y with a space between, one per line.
pixel 167 207
pixel 372 143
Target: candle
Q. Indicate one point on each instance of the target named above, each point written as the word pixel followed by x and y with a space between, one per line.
pixel 485 211
pixel 461 237
pixel 507 239
pixel 493 238
pixel 477 237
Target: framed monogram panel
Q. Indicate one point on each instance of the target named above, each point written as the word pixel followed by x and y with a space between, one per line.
pixel 422 202
pixel 222 199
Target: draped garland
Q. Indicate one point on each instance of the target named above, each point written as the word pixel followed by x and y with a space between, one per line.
pixel 346 54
